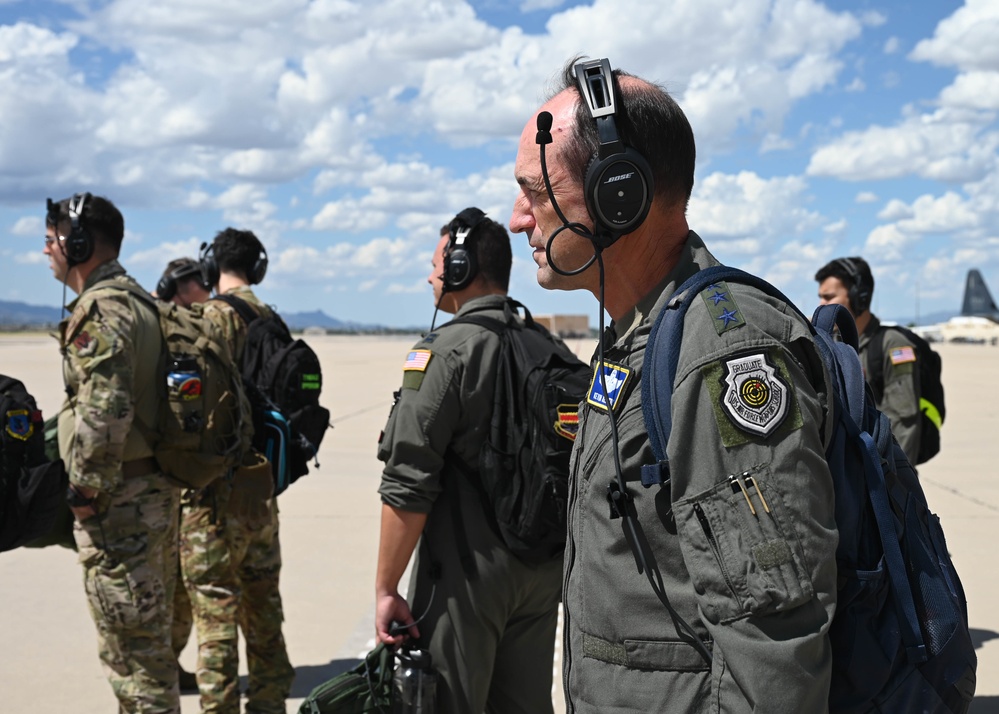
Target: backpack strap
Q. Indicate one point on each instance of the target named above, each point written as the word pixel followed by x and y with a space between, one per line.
pixel 663 352
pixel 876 362
pixel 246 313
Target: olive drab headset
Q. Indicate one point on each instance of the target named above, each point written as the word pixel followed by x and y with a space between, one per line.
pixel 78 246
pixel 210 266
pixel 460 264
pixel 166 288
pixel 859 292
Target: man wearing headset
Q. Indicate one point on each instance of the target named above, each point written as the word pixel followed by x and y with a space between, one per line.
pixel 183 284
pixel 126 511
pixel 231 554
pixel 490 624
pixel 849 282
pixel 761 622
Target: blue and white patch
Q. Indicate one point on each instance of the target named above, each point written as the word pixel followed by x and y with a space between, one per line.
pixel 615 377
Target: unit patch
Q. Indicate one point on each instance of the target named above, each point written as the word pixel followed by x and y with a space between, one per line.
pixel 615 376
pixel 19 424
pixel 85 344
pixel 567 421
pixel 720 301
pixel 754 396
pixel 903 355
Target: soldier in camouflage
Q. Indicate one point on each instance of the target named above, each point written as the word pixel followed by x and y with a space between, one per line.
pixel 125 510
pixel 202 539
pixel 230 550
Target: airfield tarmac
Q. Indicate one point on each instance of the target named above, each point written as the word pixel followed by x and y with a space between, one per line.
pixel 329 533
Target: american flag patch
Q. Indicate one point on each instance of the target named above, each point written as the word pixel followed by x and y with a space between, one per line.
pixel 903 355
pixel 417 361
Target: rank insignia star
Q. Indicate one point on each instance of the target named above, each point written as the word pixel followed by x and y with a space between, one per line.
pixel 722 307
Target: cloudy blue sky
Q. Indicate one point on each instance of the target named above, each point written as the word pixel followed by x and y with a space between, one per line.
pixel 345 133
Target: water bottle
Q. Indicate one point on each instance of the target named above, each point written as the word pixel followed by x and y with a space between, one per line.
pixel 414 683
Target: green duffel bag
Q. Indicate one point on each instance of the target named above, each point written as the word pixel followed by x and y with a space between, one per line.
pixel 367 688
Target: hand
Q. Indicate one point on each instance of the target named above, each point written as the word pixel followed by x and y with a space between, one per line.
pixel 82 513
pixel 391 608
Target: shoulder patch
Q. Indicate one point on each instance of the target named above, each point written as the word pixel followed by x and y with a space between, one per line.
pixel 725 314
pixel 414 368
pixel 19 424
pixel 615 376
pixel 417 361
pixel 753 396
pixel 903 355
pixel 567 420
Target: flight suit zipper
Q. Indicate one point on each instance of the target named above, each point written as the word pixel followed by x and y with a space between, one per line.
pixel 702 518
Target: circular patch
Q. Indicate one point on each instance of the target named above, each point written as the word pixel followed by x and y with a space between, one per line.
pixel 754 393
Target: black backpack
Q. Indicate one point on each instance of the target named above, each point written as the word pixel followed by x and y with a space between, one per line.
pixel 523 469
pixel 32 487
pixel 900 637
pixel 286 380
pixel 931 392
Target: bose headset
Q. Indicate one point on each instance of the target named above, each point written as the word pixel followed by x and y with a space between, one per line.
pixel 859 292
pixel 78 246
pixel 210 266
pixel 618 185
pixel 166 288
pixel 460 263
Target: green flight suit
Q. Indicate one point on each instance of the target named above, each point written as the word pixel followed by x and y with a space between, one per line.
pixel 897 394
pixel 758 585
pixel 111 344
pixel 491 636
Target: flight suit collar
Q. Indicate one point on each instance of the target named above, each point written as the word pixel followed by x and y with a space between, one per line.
pixel 104 271
pixel 483 302
pixel 693 257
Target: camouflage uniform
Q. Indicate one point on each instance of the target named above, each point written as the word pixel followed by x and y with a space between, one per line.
pixel 112 348
pixel 231 574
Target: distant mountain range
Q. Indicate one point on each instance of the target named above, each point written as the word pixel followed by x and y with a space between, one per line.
pixel 19 315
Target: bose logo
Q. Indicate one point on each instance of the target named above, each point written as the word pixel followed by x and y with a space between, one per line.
pixel 622 177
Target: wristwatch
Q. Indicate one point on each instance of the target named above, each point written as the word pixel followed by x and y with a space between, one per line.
pixel 76 499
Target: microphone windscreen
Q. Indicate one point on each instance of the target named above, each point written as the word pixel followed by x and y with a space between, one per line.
pixel 544 121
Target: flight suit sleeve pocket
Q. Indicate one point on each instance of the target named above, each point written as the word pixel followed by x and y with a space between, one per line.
pixel 742 556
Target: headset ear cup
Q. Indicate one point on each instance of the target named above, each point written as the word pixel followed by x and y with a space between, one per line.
pixel 79 247
pixel 459 268
pixel 209 266
pixel 619 191
pixel 259 270
pixel 166 288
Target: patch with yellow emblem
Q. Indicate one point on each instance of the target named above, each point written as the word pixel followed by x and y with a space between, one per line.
pixel 567 420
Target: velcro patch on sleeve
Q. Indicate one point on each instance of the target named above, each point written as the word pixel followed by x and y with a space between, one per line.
pixel 753 397
pixel 903 355
pixel 414 368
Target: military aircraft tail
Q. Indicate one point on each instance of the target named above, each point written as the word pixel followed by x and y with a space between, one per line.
pixel 978 300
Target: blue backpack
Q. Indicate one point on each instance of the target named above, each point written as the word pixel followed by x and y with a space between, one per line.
pixel 900 635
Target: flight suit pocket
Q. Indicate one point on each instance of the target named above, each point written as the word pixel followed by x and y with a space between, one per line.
pixel 127 599
pixel 742 554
